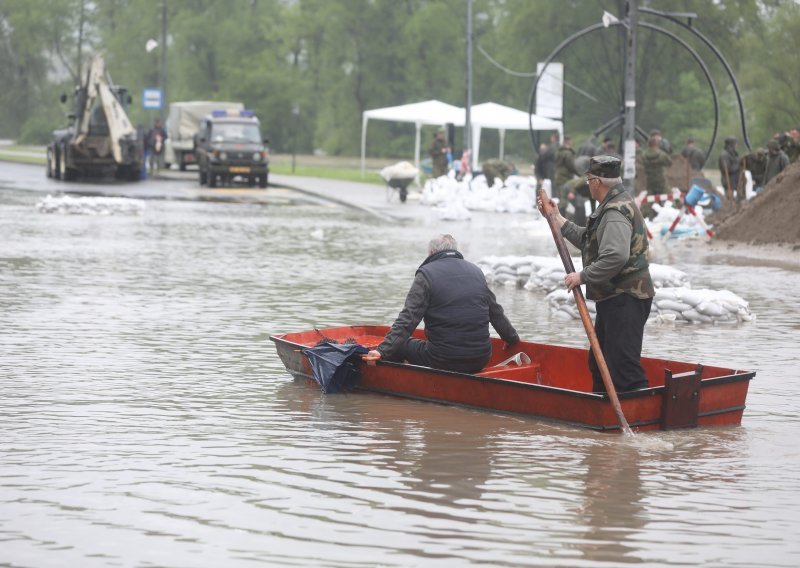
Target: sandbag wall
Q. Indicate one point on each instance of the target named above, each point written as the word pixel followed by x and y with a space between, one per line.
pixel 675 301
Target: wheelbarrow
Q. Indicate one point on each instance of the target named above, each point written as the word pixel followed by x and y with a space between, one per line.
pixel 399 184
pixel 398 177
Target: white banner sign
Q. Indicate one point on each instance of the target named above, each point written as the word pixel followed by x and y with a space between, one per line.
pixel 550 91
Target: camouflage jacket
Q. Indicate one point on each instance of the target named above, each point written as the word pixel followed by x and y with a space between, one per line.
pixel 654 162
pixel 565 168
pixel 634 276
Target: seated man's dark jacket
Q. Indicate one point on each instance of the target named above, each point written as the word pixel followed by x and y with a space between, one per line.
pixel 451 295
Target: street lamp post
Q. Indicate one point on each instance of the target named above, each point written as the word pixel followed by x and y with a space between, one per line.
pixel 629 125
pixel 163 69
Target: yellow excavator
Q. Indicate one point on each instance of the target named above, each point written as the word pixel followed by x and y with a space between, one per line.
pixel 99 139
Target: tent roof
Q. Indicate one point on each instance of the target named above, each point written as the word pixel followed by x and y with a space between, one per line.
pixel 425 112
pixel 493 115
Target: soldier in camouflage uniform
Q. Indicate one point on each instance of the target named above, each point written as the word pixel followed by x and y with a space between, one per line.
pixel 565 166
pixel 496 168
pixel 776 161
pixel 729 167
pixel 756 163
pixel 654 161
pixel 616 274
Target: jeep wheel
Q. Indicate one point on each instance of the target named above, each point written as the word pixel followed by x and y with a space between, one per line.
pixel 56 162
pixel 49 170
pixel 67 174
pixel 262 181
pixel 182 166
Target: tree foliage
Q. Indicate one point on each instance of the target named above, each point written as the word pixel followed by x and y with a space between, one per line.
pixel 329 60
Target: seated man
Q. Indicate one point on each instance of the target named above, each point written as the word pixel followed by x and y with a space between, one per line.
pixel 451 295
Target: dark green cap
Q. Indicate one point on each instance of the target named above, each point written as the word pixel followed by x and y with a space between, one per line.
pixel 604 166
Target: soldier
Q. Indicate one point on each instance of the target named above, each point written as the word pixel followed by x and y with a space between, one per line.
pixel 496 168
pixel 756 162
pixel 546 162
pixel 438 151
pixel 565 166
pixel 729 167
pixel 589 148
pixel 792 149
pixel 654 160
pixel 663 143
pixel 616 274
pixel 777 161
pixel 693 155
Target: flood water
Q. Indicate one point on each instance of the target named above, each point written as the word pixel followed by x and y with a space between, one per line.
pixel 147 421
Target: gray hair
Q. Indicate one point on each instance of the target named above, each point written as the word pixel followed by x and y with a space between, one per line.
pixel 442 242
pixel 610 182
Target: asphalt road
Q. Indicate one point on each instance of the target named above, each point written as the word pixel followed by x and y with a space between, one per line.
pixel 174 185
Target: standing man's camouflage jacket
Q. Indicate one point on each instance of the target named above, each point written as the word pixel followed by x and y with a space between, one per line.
pixel 634 277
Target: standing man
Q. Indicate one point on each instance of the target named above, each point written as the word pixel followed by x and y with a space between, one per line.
pixel 654 161
pixel 565 167
pixel 438 151
pixel 693 155
pixel 616 273
pixel 729 167
pixel 777 161
pixel 756 163
pixel 451 295
pixel 156 137
pixel 546 162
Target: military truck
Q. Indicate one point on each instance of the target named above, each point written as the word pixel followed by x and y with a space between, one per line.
pixel 99 139
pixel 183 121
pixel 230 147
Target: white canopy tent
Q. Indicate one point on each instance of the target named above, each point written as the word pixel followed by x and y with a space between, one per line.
pixel 426 112
pixel 493 115
pixel 433 112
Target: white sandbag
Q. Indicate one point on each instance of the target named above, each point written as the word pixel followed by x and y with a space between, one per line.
pixel 672 305
pixel 711 309
pixel 695 316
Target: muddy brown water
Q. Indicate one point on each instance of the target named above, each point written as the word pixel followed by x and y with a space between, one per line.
pixel 146 419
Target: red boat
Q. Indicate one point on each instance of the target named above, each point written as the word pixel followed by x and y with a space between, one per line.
pixel 554 385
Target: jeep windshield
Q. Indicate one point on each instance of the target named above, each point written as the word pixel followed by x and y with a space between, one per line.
pixel 235 132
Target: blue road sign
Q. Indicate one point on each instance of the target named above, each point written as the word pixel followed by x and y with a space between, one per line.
pixel 152 99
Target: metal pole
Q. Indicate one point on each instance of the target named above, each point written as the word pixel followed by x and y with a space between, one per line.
pixel 163 68
pixel 467 119
pixel 629 125
pixel 295 115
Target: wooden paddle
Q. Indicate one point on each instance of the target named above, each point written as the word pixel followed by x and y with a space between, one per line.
pixel 550 214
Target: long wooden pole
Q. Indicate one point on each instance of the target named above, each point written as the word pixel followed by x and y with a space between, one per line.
pixel 550 214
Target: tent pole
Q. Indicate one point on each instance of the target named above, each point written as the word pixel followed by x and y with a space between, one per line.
pixel 364 120
pixel 476 146
pixel 502 143
pixel 416 149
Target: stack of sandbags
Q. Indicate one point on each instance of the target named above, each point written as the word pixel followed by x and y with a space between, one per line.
pixel 68 205
pixel 670 305
pixel 517 195
pixel 562 305
pixel 507 270
pixel 687 305
pixel 548 274
pixel 667 277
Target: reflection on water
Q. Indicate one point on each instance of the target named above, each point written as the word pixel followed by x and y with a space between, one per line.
pixel 146 418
